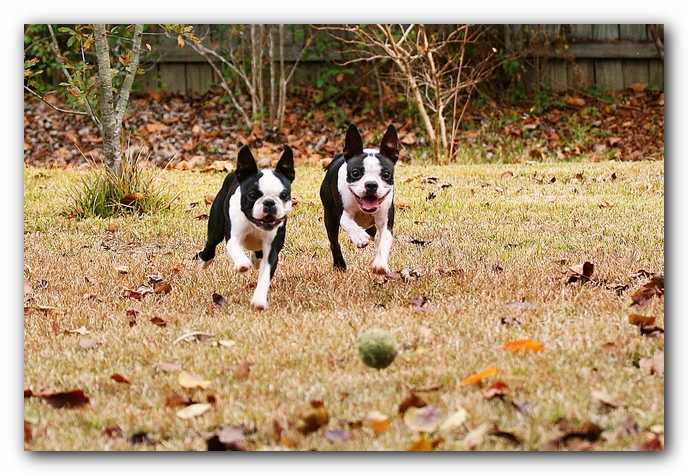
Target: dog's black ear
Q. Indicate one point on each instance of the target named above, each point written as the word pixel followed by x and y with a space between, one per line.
pixel 353 144
pixel 246 164
pixel 390 141
pixel 285 166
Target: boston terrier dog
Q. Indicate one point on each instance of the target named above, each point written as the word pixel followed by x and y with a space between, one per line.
pixel 357 194
pixel 250 212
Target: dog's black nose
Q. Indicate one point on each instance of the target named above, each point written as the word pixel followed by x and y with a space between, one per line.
pixel 269 206
pixel 371 187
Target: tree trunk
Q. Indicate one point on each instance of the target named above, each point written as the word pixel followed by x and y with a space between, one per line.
pixel 110 129
pixel 111 114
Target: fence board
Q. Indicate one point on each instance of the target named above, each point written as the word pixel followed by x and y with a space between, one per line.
pixel 611 55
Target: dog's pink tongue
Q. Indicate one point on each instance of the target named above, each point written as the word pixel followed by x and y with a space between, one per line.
pixel 370 203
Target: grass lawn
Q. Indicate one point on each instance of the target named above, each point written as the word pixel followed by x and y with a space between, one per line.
pixel 481 258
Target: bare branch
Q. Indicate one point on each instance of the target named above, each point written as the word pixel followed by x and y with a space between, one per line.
pixel 55 108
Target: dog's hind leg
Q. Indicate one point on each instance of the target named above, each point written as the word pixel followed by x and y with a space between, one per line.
pixel 217 222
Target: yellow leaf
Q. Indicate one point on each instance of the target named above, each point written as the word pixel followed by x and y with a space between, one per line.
pixel 486 373
pixel 190 380
pixel 421 445
pixel 523 346
pixel 193 410
pixel 180 41
pixel 376 421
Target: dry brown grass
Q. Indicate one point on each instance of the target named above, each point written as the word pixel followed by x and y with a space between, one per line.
pixel 486 246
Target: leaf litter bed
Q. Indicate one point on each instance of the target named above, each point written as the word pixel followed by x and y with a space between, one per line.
pixel 527 301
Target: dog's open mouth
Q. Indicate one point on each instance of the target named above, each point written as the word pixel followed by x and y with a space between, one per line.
pixel 268 222
pixel 370 204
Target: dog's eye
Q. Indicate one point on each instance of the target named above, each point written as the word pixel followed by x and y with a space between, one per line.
pixel 284 195
pixel 355 173
pixel 386 174
pixel 253 196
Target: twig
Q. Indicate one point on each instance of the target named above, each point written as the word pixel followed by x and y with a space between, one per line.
pixel 58 109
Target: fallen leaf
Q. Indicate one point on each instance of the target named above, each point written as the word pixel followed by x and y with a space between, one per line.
pixel 81 331
pixel 413 400
pixel 162 289
pixel 523 346
pixel 191 380
pixel 475 437
pixel 172 399
pixel 312 418
pixel 193 410
pixel 219 300
pixel 653 443
pixel 167 367
pixel 242 371
pixel 193 336
pixel 423 419
pixel 68 399
pixel 338 436
pixel 122 269
pixel 87 343
pixel 581 272
pixel 479 376
pixel 232 435
pixel 119 378
pixel 654 364
pixel 640 320
pixel 137 294
pixel 498 389
pixel 376 421
pixel 158 321
pixel 496 431
pixel 507 175
pixel 605 398
pixel 421 445
pixel 132 198
pixel 453 422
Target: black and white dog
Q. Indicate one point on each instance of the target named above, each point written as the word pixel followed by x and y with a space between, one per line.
pixel 250 212
pixel 358 195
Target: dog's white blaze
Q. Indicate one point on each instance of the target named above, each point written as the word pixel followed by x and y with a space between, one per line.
pixel 271 187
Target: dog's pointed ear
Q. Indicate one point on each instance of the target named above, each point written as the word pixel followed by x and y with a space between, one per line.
pixel 353 144
pixel 246 164
pixel 285 166
pixel 390 144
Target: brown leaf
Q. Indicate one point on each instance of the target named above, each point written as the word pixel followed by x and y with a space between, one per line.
pixel 498 389
pixel 193 336
pixel 219 300
pixel 581 272
pixel 413 400
pixel 158 321
pixel 172 399
pixel 162 289
pixel 508 175
pixel 28 433
pixel 312 418
pixel 242 371
pixel 132 198
pixel 68 399
pixel 131 315
pixel 653 443
pixel 119 378
pixel 496 431
pixel 137 294
pixel 640 320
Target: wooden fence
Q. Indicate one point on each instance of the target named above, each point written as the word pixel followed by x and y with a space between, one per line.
pixel 582 56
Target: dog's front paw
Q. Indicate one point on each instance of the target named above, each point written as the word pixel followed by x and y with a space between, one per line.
pixel 259 304
pixel 380 269
pixel 361 239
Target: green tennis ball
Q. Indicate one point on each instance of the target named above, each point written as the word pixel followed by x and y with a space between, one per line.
pixel 377 348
